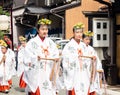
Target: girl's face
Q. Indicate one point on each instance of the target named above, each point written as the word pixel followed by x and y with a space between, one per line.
pixel 43 31
pixel 86 40
pixel 23 43
pixel 78 34
pixel 3 49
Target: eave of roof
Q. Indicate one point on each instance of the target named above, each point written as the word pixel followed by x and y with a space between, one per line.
pixel 95 13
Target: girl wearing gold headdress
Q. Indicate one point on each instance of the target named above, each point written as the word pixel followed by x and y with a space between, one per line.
pixel 38 52
pixel 95 66
pixel 21 66
pixel 74 68
pixel 7 66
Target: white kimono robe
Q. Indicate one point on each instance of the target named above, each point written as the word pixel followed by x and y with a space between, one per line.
pixel 95 85
pixel 13 62
pixel 7 69
pixel 39 73
pixel 74 68
pixel 21 65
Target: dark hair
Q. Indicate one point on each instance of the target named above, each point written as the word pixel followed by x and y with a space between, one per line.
pixel 7 47
pixel 39 25
pixel 74 29
pixel 84 36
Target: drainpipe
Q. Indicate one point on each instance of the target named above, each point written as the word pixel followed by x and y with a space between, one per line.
pixel 54 11
pixel 65 7
pixel 63 24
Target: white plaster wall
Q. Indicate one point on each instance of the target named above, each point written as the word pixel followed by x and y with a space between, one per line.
pixel 15 33
pixel 15 28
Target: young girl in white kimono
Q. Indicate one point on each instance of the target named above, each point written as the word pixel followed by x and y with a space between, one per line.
pixel 21 65
pixel 7 66
pixel 41 55
pixel 95 83
pixel 74 68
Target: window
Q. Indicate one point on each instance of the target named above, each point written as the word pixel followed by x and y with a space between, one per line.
pixel 104 25
pixel 98 36
pixel 98 25
pixel 104 37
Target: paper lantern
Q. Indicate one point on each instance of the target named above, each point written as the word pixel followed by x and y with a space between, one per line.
pixel 4 22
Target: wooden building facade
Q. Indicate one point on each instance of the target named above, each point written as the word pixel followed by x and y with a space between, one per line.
pixel 87 13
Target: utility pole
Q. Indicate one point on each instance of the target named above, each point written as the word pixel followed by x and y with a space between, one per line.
pixel 11 24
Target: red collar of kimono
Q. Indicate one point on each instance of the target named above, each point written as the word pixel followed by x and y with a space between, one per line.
pixel 42 38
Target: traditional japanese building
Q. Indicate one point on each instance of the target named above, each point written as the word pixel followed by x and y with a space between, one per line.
pixel 27 12
pixel 100 16
pixel 103 18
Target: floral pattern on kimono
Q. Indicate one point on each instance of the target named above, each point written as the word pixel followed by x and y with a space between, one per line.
pixel 95 85
pixel 74 68
pixel 21 66
pixel 7 69
pixel 41 70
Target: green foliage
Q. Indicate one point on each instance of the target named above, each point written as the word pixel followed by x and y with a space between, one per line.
pixel 2 12
pixel 1 34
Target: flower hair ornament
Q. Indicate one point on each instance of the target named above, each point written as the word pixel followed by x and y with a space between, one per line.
pixel 88 33
pixel 44 21
pixel 3 43
pixel 21 38
pixel 79 25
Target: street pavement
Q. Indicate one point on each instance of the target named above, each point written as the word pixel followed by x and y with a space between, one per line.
pixel 15 90
pixel 112 90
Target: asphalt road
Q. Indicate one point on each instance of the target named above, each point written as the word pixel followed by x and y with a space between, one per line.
pixel 15 90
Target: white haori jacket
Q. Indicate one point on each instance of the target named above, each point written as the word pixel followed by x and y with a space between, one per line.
pixel 7 69
pixel 13 62
pixel 21 65
pixel 74 69
pixel 39 72
pixel 95 85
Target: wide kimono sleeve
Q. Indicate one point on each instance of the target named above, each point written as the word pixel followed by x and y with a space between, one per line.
pixel 99 64
pixel 13 58
pixel 11 62
pixel 53 49
pixel 65 57
pixel 20 56
pixel 30 54
pixel 69 57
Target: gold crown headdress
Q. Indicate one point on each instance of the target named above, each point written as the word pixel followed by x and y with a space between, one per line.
pixel 44 21
pixel 3 43
pixel 79 26
pixel 88 33
pixel 21 38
